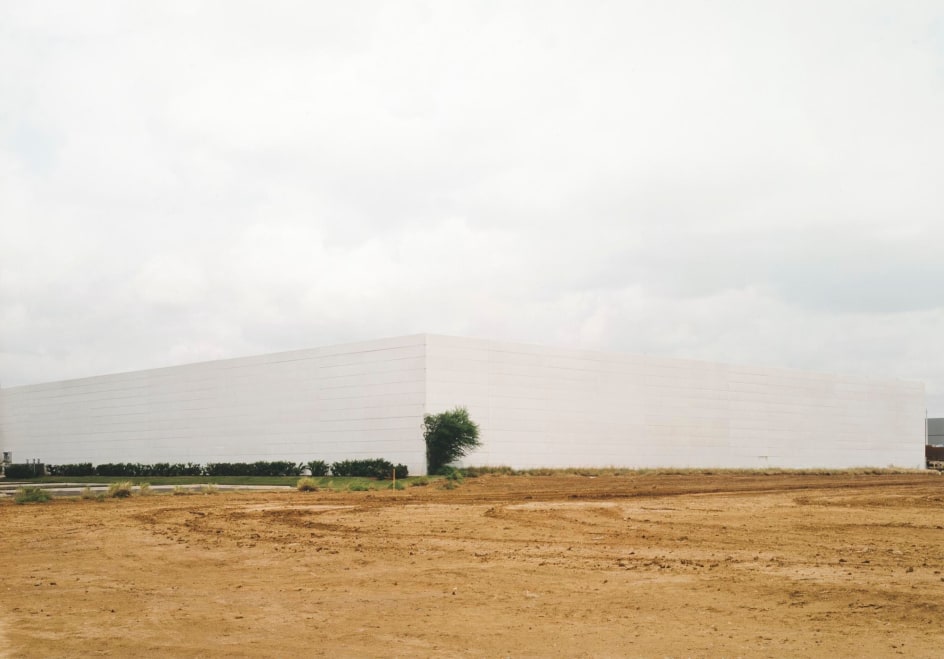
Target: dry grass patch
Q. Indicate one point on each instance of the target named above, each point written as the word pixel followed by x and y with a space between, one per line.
pixel 120 490
pixel 31 495
pixel 307 484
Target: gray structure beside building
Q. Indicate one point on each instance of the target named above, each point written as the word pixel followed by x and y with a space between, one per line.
pixel 936 432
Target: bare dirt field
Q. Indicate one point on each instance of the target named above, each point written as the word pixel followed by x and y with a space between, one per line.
pixel 679 566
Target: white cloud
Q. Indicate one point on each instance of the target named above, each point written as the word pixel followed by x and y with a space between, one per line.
pixel 748 182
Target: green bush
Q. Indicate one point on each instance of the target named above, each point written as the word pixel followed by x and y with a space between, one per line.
pixel 77 469
pixel 259 468
pixel 449 436
pixel 31 495
pixel 171 469
pixel 139 470
pixel 452 474
pixel 318 467
pixel 18 471
pixel 120 469
pixel 358 487
pixel 374 468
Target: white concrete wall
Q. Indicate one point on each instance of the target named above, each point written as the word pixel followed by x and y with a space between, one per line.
pixel 360 400
pixel 537 406
pixel 545 407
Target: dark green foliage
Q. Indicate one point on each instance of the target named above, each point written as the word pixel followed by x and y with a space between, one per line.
pixel 374 468
pixel 228 469
pixel 126 469
pixel 31 495
pixel 78 469
pixel 345 468
pixel 260 468
pixel 18 471
pixel 123 469
pixel 449 436
pixel 452 474
pixel 171 469
pixel 167 469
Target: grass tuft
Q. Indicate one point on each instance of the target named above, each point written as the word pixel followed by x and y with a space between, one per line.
pixel 120 490
pixel 144 489
pixel 31 495
pixel 87 493
pixel 210 488
pixel 501 470
pixel 307 484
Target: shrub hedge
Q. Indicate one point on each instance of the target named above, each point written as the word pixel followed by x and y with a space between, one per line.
pixel 260 468
pixel 17 471
pixel 137 470
pixel 374 468
pixel 78 469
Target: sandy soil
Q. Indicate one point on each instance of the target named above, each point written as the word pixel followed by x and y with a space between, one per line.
pixel 678 566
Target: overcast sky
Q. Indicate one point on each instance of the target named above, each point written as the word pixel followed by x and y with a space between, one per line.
pixel 748 182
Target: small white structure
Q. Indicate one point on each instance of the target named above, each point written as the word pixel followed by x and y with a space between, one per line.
pixel 536 406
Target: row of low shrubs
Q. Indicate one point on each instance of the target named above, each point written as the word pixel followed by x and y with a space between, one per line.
pixel 18 471
pixel 373 468
pixel 126 469
pixel 258 468
pixel 379 468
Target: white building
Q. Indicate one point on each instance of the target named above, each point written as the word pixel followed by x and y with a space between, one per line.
pixel 536 406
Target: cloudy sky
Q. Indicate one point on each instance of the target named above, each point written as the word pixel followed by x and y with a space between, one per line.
pixel 748 182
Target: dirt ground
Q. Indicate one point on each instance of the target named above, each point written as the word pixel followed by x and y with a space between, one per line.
pixel 677 566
